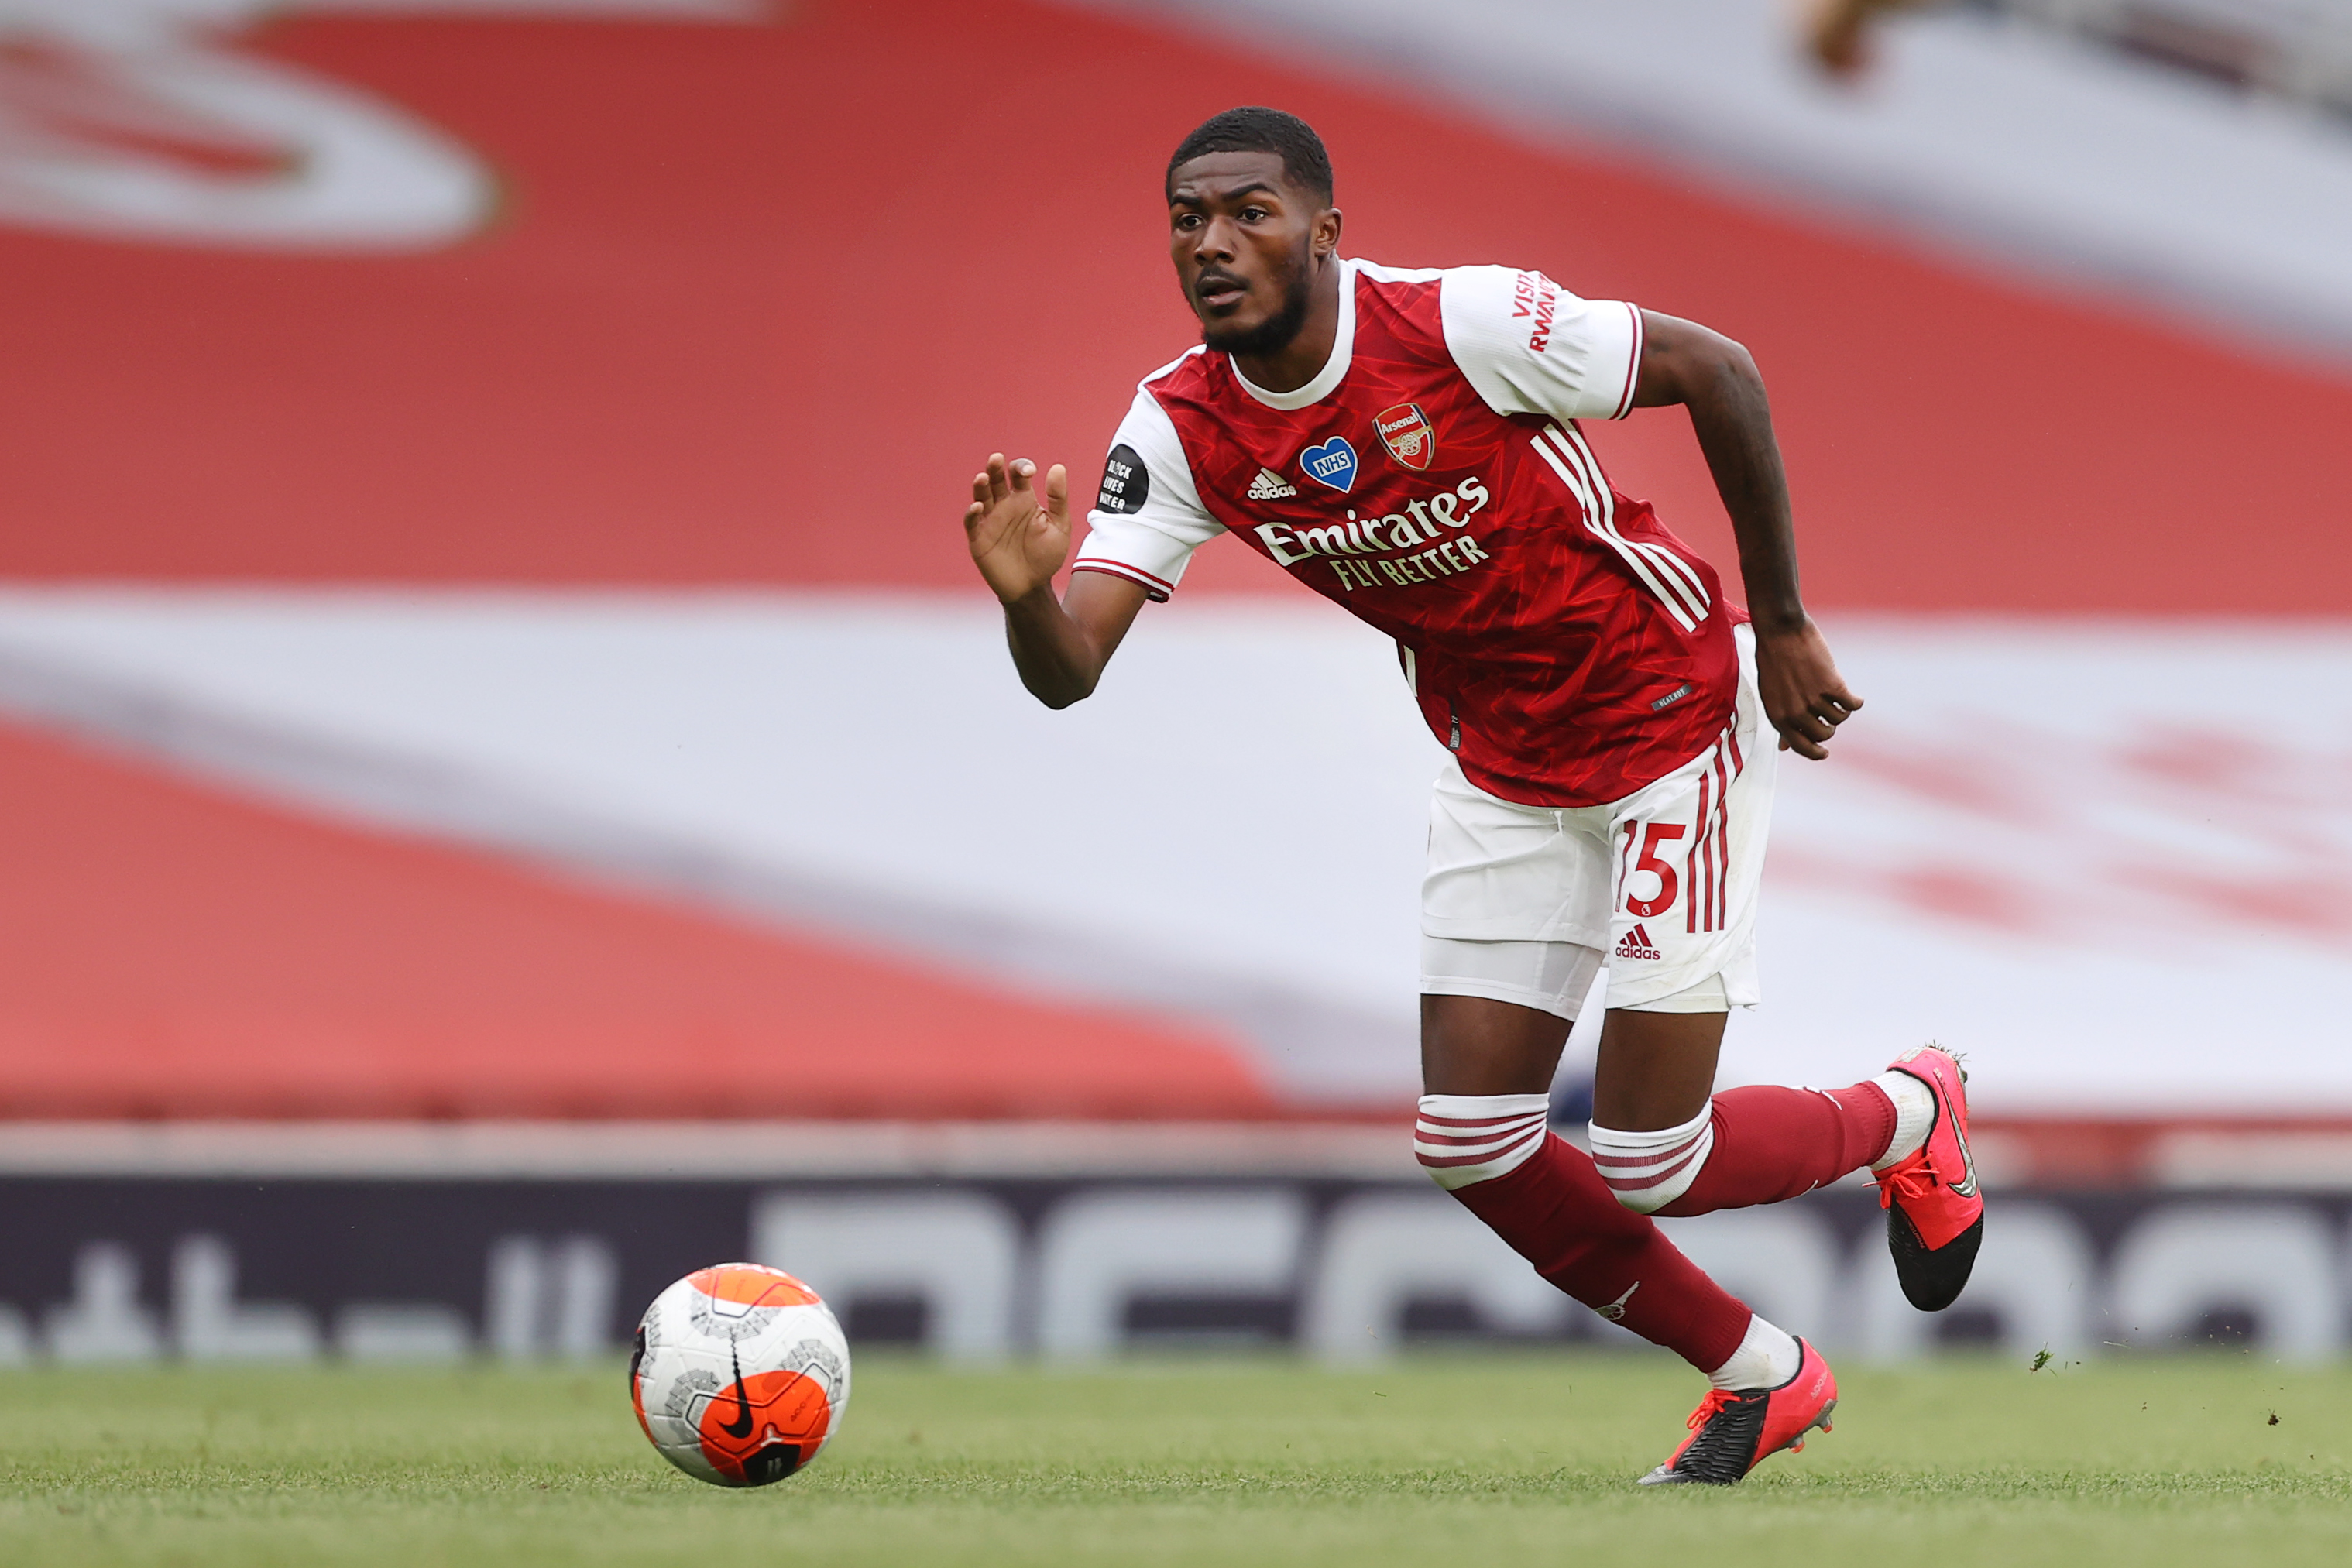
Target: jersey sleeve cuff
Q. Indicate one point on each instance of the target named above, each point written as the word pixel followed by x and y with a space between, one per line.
pixel 1155 588
pixel 1632 364
pixel 1136 549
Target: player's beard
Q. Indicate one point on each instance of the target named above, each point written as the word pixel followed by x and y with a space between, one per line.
pixel 1274 334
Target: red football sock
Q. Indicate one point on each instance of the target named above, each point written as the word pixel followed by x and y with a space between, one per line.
pixel 1772 1144
pixel 1556 1212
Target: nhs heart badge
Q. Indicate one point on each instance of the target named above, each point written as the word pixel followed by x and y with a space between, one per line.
pixel 1333 463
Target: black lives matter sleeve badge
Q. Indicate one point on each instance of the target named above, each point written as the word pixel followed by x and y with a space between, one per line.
pixel 1127 483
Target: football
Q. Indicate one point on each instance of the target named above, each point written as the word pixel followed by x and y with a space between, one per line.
pixel 740 1374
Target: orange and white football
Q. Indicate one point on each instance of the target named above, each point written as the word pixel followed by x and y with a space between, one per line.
pixel 740 1374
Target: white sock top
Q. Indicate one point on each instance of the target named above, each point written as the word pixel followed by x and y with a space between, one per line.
pixel 1914 1116
pixel 1465 1138
pixel 1648 1170
pixel 1766 1358
pixel 1662 1138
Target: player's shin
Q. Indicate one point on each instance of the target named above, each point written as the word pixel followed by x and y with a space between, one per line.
pixel 1542 1195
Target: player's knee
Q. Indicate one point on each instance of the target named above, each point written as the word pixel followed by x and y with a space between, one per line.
pixel 1464 1138
pixel 1645 1171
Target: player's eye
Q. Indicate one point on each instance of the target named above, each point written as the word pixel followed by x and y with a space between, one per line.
pixel 1253 215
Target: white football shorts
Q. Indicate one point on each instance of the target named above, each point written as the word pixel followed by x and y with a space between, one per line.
pixel 1523 903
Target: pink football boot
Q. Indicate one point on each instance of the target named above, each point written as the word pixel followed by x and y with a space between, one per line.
pixel 1935 1214
pixel 1733 1432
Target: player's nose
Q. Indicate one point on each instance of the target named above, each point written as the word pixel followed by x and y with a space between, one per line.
pixel 1215 242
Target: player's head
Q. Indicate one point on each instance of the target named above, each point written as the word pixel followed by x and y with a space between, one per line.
pixel 1250 219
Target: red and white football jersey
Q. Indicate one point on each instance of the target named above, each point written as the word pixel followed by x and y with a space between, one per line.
pixel 1431 479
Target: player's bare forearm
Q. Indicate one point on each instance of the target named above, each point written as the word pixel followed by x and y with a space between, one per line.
pixel 1716 381
pixel 1061 646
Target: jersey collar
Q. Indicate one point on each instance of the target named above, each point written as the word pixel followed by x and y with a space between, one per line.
pixel 1334 368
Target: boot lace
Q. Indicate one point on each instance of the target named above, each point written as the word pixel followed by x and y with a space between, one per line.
pixel 1716 1398
pixel 1907 1181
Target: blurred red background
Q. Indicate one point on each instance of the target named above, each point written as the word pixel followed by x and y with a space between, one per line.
pixel 761 297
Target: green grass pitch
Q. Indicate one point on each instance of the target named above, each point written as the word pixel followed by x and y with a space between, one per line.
pixel 1525 1459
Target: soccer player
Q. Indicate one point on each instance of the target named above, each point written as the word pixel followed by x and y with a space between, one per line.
pixel 1406 444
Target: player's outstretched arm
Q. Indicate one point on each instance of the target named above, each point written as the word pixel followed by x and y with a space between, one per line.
pixel 1018 541
pixel 1804 696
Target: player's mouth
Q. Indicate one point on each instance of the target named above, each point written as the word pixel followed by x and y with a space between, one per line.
pixel 1219 290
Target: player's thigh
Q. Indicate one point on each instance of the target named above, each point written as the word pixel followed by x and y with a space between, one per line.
pixel 1477 1045
pixel 1501 871
pixel 1514 906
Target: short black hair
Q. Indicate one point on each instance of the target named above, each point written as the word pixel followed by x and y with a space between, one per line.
pixel 1255 129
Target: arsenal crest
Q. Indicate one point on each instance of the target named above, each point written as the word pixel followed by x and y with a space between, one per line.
pixel 1405 432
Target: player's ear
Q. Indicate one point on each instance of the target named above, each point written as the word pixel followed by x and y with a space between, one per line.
pixel 1327 232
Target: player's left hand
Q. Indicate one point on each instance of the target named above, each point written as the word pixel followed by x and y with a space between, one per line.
pixel 1804 696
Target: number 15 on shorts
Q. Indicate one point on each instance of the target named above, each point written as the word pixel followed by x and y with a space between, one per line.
pixel 1639 854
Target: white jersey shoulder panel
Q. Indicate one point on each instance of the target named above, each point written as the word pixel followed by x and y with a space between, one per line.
pixel 1147 519
pixel 1531 347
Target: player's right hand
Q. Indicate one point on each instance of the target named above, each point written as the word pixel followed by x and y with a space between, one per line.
pixel 1017 543
pixel 1805 698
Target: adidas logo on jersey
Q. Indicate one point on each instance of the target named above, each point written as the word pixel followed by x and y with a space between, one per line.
pixel 1270 485
pixel 1636 944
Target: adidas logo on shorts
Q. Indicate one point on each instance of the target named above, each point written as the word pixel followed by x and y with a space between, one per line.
pixel 1636 944
pixel 1270 485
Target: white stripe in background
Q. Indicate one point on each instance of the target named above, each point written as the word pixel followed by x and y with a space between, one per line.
pixel 827 761
pixel 867 764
